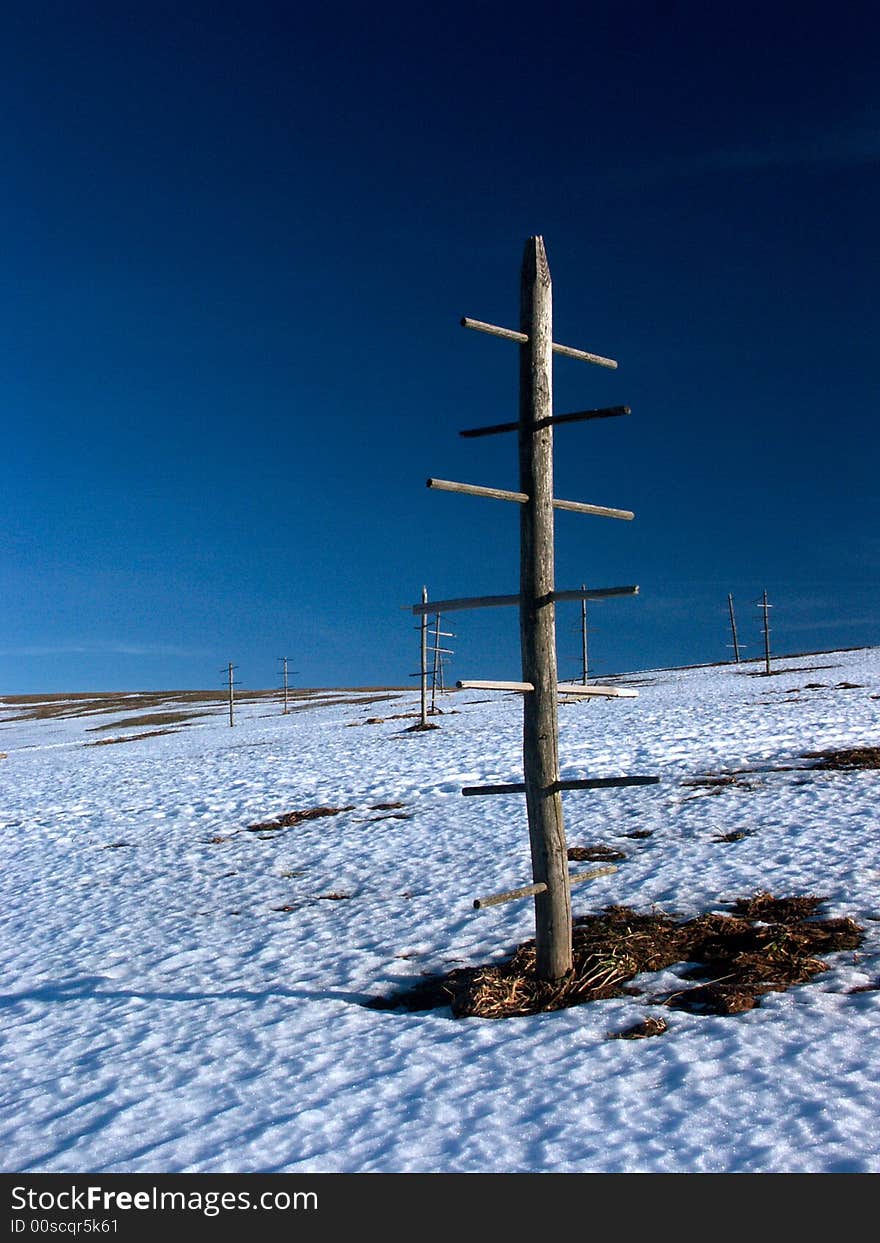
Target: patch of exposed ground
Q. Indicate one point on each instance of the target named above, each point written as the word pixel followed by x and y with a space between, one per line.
pixel 291 818
pixel 716 783
pixel 768 945
pixel 603 854
pixel 80 703
pixel 846 759
pixel 149 718
pixel 150 733
pixel 640 1031
pixel 842 759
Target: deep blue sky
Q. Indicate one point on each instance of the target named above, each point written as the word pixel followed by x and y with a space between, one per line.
pixel 237 241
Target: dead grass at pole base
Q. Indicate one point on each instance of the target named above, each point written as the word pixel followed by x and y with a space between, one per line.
pixel 767 945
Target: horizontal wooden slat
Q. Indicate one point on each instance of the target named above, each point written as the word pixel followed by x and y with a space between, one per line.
pixel 503 494
pixel 487 602
pixel 599 511
pixel 527 891
pixel 580 877
pixel 494 331
pixel 594 593
pixel 579 416
pixel 585 783
pixel 515 787
pixel 494 686
pixel 475 489
pixel 608 692
pixel 605 783
pixel 496 899
pixel 603 692
pixel 466 602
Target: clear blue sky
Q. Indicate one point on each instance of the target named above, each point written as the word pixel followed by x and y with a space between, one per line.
pixel 237 242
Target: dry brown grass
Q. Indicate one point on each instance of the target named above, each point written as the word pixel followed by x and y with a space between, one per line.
pixel 87 703
pixel 654 1026
pixel 739 957
pixel 291 818
pixel 846 759
pixel 598 854
pixel 150 718
pixel 150 733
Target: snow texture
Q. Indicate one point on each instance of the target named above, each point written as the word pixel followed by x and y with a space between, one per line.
pixel 182 994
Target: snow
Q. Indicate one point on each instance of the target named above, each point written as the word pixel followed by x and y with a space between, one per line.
pixel 160 1014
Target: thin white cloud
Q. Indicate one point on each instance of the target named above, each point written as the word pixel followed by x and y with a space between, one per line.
pixel 848 147
pixel 98 649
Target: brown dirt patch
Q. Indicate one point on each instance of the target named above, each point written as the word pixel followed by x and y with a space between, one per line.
pixel 149 733
pixel 640 1031
pixel 602 854
pixel 149 718
pixel 291 818
pixel 740 959
pixel 847 759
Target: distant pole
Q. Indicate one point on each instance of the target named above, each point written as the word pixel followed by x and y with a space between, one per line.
pixel 283 660
pixel 424 661
pixel 765 606
pixel 553 934
pixel 733 628
pixel 437 666
pixel 584 635
pixel 231 695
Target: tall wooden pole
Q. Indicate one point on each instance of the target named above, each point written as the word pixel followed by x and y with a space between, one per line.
pixel 537 620
pixel 231 695
pixel 423 670
pixel 584 636
pixel 765 606
pixel 733 628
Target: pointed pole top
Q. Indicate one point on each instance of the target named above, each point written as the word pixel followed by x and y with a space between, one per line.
pixel 535 265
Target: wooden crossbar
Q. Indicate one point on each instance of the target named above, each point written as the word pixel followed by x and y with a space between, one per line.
pixel 606 412
pixel 475 489
pixel 594 593
pixel 599 511
pixel 487 602
pixel 494 331
pixel 606 692
pixel 606 783
pixel 495 899
pixel 494 686
pixel 583 783
pixel 467 602
pixel 503 494
pixel 580 877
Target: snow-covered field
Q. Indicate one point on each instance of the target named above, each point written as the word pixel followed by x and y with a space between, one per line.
pixel 161 1013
